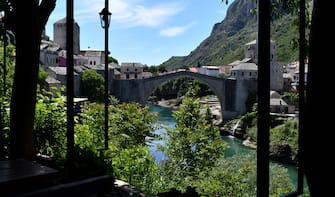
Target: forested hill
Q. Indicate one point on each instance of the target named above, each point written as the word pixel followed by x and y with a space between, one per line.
pixel 226 41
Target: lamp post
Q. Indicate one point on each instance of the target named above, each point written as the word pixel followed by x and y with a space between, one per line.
pixel 105 16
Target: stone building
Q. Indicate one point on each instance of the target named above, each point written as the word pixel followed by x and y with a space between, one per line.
pixel 209 70
pixel 94 56
pixel 131 70
pixel 49 53
pixel 251 51
pixel 276 68
pixel 244 71
pixel 60 35
pixel 78 60
pixel 278 105
pixel 60 78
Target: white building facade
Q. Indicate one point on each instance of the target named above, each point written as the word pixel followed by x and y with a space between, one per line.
pixel 209 70
pixel 94 56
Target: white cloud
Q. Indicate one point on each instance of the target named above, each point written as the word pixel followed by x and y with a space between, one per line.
pixel 128 13
pixel 175 31
pixel 148 16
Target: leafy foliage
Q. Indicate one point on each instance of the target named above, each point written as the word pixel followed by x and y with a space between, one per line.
pixel 131 124
pixel 9 72
pixel 236 176
pixel 4 127
pixel 193 146
pixel 154 69
pixel 50 125
pixel 291 98
pixel 112 60
pixel 284 140
pixel 6 83
pixel 128 157
pixel 92 85
pixel 42 76
pixel 134 165
pixel 178 87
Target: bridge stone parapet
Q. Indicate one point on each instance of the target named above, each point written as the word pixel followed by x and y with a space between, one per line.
pixel 232 93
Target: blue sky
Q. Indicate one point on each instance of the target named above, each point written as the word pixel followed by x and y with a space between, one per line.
pixel 145 31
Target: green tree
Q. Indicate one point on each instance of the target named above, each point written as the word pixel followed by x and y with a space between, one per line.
pixel 177 88
pixel 92 85
pixel 90 125
pixel 50 125
pixel 291 98
pixel 112 60
pixel 6 81
pixel 131 124
pixel 236 176
pixel 193 146
pixel 284 141
pixel 128 157
pixel 134 165
pixel 7 70
pixel 42 76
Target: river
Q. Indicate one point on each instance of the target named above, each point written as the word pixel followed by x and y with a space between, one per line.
pixel 235 146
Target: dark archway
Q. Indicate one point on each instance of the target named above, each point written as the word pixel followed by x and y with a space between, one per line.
pixel 215 84
pixel 172 92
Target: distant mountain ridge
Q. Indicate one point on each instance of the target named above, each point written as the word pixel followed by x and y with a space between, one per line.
pixel 227 39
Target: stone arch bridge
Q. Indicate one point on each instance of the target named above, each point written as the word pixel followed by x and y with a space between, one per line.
pixel 232 93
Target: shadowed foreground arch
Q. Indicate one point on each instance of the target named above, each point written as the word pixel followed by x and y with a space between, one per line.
pixel 232 93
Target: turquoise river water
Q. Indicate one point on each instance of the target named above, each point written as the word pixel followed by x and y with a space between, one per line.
pixel 235 146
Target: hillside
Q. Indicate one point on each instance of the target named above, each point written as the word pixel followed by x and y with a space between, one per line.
pixel 226 41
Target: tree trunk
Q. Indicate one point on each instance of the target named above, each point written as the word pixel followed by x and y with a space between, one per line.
pixel 26 19
pixel 25 80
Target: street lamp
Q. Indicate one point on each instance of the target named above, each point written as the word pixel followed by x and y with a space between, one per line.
pixel 105 16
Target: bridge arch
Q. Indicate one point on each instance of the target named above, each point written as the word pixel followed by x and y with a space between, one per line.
pixel 231 93
pixel 214 83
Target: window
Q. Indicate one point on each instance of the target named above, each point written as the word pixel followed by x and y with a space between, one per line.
pixel 127 76
pixel 90 62
pixel 135 69
pixel 94 63
pixel 250 74
pixel 135 76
